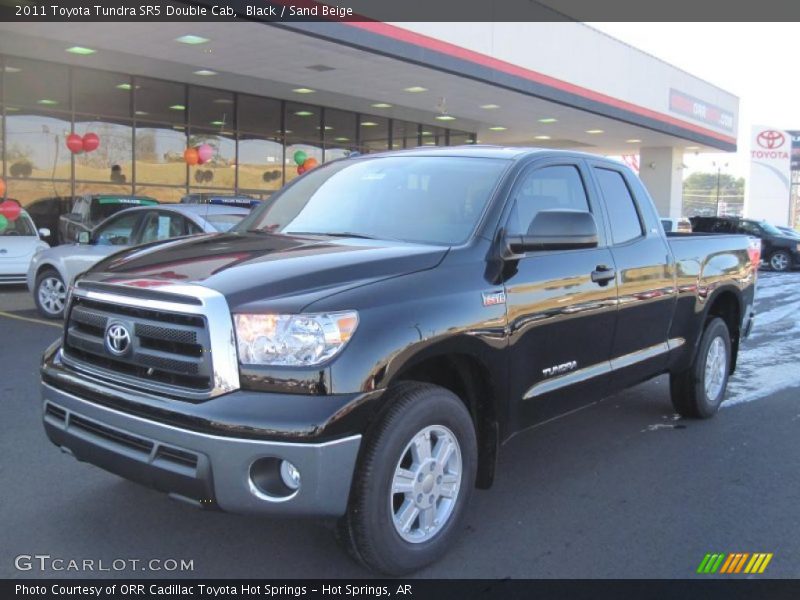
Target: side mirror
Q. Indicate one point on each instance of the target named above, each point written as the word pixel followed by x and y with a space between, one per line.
pixel 83 237
pixel 556 230
pixel 44 232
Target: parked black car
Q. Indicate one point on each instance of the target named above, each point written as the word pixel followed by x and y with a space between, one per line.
pixel 780 249
pixel 46 213
pixel 88 211
pixel 362 345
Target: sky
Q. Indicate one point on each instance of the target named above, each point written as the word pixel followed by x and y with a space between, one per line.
pixel 754 61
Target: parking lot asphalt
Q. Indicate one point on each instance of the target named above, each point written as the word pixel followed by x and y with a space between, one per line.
pixel 621 489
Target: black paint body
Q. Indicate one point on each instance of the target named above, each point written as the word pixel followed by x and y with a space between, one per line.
pixel 422 315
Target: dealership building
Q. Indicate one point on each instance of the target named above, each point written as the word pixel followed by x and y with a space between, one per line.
pixel 257 92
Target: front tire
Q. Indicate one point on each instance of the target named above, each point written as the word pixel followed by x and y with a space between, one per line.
pixel 698 391
pixel 780 261
pixel 50 294
pixel 413 481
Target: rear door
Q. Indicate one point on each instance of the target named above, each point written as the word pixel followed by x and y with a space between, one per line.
pixel 646 276
pixel 561 321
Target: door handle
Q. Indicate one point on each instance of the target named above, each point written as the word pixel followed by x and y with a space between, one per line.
pixel 603 274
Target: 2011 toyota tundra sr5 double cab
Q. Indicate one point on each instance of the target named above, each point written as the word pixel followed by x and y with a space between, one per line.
pixel 360 346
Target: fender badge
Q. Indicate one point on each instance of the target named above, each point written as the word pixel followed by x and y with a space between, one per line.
pixel 493 298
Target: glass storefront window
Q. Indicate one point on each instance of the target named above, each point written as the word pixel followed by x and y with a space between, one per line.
pixel 220 170
pixel 112 160
pixel 165 195
pixel 30 83
pixel 291 165
pixel 374 133
pixel 36 146
pixel 159 154
pixel 156 100
pixel 260 115
pixel 100 93
pixel 260 163
pixel 28 191
pixel 211 109
pixel 302 122
pixel 88 187
pixel 459 138
pixel 145 125
pixel 404 135
pixel 433 136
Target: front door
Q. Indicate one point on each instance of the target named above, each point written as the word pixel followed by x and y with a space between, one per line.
pixel 561 320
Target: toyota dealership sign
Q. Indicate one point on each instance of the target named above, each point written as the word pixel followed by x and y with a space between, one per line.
pixel 769 185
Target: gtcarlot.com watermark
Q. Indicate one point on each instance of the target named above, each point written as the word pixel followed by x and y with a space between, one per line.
pixel 47 563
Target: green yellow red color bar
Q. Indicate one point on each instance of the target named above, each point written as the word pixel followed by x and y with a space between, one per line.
pixel 734 562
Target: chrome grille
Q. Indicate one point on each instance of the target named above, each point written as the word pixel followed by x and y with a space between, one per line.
pixel 169 348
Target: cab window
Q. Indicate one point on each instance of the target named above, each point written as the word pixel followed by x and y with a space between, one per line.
pixel 163 226
pixel 118 231
pixel 622 213
pixel 549 188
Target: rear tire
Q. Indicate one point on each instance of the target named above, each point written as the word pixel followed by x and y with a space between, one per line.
pixel 780 261
pixel 698 391
pixel 50 294
pixel 413 481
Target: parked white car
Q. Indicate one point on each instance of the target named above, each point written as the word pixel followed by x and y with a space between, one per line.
pixel 52 270
pixel 19 242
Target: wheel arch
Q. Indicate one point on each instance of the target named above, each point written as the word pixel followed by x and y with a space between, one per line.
pixel 726 305
pixel 469 378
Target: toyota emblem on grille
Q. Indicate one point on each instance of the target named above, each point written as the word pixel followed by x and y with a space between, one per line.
pixel 118 339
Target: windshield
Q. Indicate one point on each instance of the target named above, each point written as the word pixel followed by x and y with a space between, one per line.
pixel 224 222
pixel 22 225
pixel 424 199
pixel 771 229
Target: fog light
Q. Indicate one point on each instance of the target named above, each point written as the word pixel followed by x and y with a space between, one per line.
pixel 290 475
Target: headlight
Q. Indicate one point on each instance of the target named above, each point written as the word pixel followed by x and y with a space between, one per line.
pixel 292 340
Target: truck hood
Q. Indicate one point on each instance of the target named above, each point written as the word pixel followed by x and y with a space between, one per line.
pixel 258 271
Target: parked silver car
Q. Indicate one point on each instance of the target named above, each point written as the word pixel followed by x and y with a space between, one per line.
pixel 19 243
pixel 52 270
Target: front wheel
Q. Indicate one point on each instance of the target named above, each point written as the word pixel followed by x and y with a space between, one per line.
pixel 413 481
pixel 698 391
pixel 780 261
pixel 50 294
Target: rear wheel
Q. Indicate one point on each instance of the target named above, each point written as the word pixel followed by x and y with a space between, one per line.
pixel 413 481
pixel 50 294
pixel 698 391
pixel 780 261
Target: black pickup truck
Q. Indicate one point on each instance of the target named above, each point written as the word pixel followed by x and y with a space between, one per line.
pixel 361 346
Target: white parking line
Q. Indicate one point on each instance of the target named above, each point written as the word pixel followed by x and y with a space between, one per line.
pixel 29 319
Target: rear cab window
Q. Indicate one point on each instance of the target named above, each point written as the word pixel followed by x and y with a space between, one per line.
pixel 623 213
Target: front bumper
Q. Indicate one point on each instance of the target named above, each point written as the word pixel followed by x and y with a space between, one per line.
pixel 210 470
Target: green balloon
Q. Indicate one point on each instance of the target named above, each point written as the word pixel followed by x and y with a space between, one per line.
pixel 300 157
pixel 3 222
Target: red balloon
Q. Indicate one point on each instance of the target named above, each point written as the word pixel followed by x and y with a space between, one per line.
pixel 310 163
pixel 91 142
pixel 191 157
pixel 2 188
pixel 10 210
pixel 75 143
pixel 301 169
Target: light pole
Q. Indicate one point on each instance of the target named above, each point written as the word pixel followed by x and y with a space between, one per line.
pixel 719 173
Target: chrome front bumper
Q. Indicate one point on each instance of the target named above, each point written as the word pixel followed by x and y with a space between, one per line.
pixel 206 470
